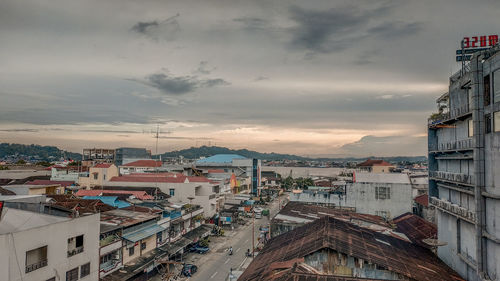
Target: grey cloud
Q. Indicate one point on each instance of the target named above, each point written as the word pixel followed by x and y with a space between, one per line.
pixel 252 23
pixel 178 85
pixel 383 146
pixel 393 30
pixel 166 30
pixel 109 131
pixel 203 68
pixel 141 27
pixel 261 78
pixel 19 130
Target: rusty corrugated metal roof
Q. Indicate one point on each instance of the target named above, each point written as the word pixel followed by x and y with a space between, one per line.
pixel 407 259
pixel 415 228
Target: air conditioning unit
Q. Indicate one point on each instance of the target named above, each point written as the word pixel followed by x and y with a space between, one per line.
pixel 447 205
pixel 454 208
pixel 463 212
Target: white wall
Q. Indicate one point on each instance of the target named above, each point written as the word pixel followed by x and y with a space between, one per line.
pixel 55 236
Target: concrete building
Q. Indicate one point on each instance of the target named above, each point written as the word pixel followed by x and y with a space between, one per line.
pixel 376 166
pixel 92 156
pixel 140 166
pixel 124 155
pixel 381 194
pixel 98 175
pixel 35 189
pixel 197 190
pixel 69 249
pixel 464 184
pixel 246 170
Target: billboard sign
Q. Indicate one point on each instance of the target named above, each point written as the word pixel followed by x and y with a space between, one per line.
pixel 474 44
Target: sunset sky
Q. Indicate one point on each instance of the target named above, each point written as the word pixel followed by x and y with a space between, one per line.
pixel 343 78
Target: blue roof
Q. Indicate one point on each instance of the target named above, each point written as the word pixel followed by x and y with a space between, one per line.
pixel 220 158
pixel 143 233
pixel 108 200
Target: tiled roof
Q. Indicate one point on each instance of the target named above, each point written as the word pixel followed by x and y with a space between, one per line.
pixel 50 182
pixel 374 162
pixel 216 171
pixel 405 258
pixel 422 200
pixel 82 206
pixel 142 195
pixel 220 158
pixel 109 200
pixel 415 228
pixel 144 163
pixel 158 178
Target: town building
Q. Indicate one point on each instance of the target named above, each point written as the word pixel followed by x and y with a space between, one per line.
pixel 35 189
pixel 333 249
pixel 376 166
pixel 92 156
pixel 464 183
pixel 124 155
pixel 140 166
pixel 69 249
pixel 98 175
pixel 381 194
pixel 246 170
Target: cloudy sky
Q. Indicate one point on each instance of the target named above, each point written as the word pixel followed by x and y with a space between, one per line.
pixel 356 77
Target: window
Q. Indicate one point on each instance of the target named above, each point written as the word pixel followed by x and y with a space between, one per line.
pixel 75 245
pixel 51 279
pixel 85 270
pixel 496 121
pixel 459 244
pixel 96 175
pixel 143 245
pixel 471 128
pixel 172 192
pixel 496 86
pixel 487 123
pixel 36 258
pixel 382 192
pixel 104 177
pixel 131 251
pixel 486 84
pixel 72 275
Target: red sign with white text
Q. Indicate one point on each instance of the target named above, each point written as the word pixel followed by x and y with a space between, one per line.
pixel 482 41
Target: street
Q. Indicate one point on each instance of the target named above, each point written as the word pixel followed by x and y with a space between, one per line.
pixel 217 263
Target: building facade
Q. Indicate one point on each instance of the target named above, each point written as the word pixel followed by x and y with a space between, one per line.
pixel 464 156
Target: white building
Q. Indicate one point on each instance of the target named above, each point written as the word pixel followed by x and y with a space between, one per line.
pixel 385 195
pixel 37 247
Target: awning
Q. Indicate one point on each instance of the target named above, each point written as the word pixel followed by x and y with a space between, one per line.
pixel 173 248
pixel 199 232
pixel 143 233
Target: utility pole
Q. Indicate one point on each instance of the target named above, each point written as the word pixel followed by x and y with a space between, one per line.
pixel 253 234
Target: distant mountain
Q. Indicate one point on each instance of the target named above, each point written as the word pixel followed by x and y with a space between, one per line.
pixel 205 151
pixel 33 151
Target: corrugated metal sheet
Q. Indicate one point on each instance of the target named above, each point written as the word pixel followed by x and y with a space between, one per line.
pixel 143 233
pixel 220 158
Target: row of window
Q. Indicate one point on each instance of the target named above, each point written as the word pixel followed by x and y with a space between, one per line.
pixel 72 275
pixel 132 249
pixel 496 88
pixel 487 124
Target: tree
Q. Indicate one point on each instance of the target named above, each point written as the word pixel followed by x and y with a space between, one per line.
pixel 288 183
pixel 20 162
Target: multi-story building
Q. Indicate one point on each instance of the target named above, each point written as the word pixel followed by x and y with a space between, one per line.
pixel 464 156
pixel 37 246
pixel 98 155
pixel 126 155
pixel 98 175
pixel 247 170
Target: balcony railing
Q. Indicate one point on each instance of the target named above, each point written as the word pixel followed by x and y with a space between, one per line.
pixel 453 114
pixel 452 177
pixel 35 266
pixel 466 144
pixel 453 209
pixel 75 251
pixel 109 266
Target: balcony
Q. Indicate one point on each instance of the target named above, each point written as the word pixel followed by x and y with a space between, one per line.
pixel 458 145
pixel 75 251
pixel 35 266
pixel 452 177
pixel 109 266
pixel 454 114
pixel 453 209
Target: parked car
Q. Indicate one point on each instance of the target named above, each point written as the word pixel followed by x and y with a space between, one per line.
pixel 199 249
pixel 189 269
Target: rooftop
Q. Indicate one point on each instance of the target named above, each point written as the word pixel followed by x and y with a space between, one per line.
pixel 282 258
pixel 382 178
pixel 15 220
pixel 144 163
pixel 159 178
pixel 415 228
pixel 374 162
pixel 103 165
pixel 50 182
pixel 108 200
pixel 220 158
pixel 422 200
pixel 142 195
pixel 125 218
